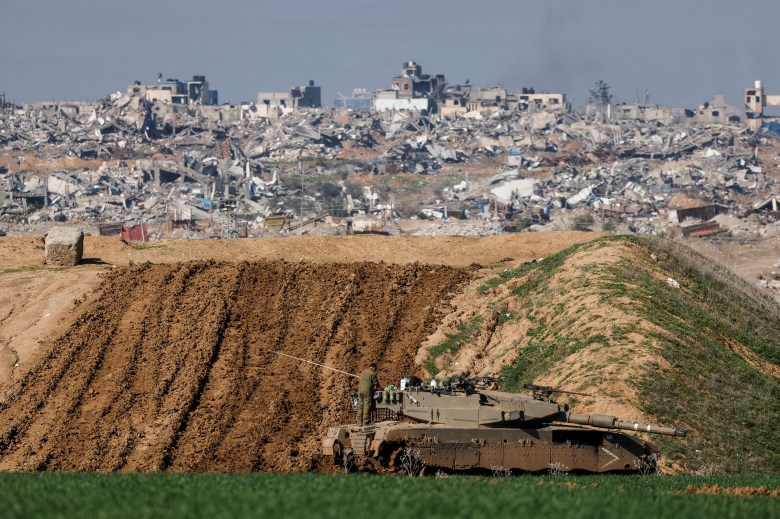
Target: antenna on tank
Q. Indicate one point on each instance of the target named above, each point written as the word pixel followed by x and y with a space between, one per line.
pixel 315 363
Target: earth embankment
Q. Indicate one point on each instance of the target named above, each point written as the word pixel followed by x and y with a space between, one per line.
pixel 170 366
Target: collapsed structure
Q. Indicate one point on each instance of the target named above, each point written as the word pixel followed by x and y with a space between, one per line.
pixel 424 93
pixel 173 91
pixel 756 100
pixel 308 96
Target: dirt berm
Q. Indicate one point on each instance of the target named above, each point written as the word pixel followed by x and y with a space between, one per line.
pixel 169 367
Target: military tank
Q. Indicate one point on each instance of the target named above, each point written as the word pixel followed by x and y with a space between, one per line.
pixel 467 428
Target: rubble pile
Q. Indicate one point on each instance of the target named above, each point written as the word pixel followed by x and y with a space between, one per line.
pixel 223 171
pixel 456 228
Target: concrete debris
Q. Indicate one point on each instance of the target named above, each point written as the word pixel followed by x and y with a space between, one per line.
pixel 226 171
pixel 64 246
pixel 475 229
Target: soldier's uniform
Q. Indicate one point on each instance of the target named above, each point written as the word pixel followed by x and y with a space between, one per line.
pixel 368 382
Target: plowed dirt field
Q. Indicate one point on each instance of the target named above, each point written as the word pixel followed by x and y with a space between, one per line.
pixel 170 366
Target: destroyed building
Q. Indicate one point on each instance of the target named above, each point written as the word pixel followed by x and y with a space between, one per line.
pixel 711 112
pixel 309 96
pixel 149 167
pixel 206 170
pixel 411 90
pixel 756 101
pixel 69 108
pixel 707 114
pixel 528 100
pixel 423 93
pixel 643 113
pixel 412 83
pixel 360 99
pixel 733 113
pixel 496 98
pixel 492 98
pixel 173 91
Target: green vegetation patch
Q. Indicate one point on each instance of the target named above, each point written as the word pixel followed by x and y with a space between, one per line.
pixel 538 356
pixel 708 387
pixel 704 383
pixel 452 343
pixel 54 495
pixel 546 268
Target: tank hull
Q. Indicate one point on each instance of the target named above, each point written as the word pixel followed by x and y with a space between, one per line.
pixel 437 447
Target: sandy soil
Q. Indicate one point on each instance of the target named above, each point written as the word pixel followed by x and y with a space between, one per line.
pixel 46 165
pixel 746 257
pixel 34 299
pixel 33 303
pixel 454 251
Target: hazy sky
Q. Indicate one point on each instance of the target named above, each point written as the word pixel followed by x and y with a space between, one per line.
pixel 682 51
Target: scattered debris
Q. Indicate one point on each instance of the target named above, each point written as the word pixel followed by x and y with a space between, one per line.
pixel 216 171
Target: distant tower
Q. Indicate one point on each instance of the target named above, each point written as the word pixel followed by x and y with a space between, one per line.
pixel 159 77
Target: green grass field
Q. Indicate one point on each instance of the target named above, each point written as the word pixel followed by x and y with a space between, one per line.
pixel 355 495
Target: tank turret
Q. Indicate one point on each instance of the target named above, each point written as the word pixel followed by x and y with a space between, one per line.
pixel 486 408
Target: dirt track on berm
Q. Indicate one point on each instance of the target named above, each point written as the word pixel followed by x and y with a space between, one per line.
pixel 168 367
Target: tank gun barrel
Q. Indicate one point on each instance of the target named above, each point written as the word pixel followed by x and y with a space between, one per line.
pixel 612 422
pixel 547 390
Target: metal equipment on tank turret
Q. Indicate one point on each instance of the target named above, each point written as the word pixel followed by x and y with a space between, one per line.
pixel 463 428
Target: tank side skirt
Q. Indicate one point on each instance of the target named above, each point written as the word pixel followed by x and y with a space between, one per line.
pixel 531 450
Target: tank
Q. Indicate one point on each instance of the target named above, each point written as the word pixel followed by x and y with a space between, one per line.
pixel 469 428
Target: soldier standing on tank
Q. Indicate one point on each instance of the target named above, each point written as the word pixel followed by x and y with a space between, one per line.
pixel 368 383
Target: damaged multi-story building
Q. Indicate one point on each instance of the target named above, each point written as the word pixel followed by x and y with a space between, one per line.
pixel 309 96
pixel 497 97
pixel 424 93
pixel 360 100
pixel 173 91
pixel 756 100
pixel 411 90
pixel 639 112
pixel 715 111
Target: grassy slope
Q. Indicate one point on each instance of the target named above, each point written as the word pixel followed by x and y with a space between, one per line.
pixel 54 495
pixel 691 378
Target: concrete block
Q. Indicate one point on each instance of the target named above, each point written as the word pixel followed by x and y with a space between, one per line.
pixel 64 246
